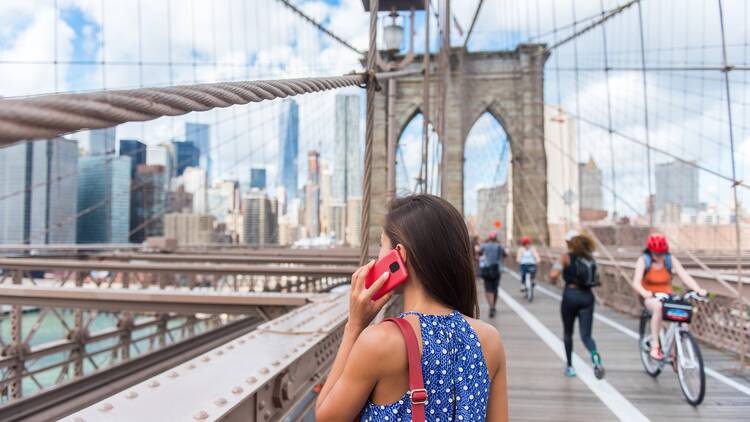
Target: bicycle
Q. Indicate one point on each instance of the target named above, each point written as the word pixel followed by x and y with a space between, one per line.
pixel 528 282
pixel 677 344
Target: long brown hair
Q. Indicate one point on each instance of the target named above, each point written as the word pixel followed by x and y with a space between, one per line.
pixel 438 248
pixel 582 245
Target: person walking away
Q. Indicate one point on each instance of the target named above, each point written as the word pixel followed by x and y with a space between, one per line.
pixel 490 269
pixel 527 259
pixel 653 274
pixel 462 358
pixel 578 269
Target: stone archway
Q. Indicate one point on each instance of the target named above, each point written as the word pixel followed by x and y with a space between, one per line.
pixel 507 84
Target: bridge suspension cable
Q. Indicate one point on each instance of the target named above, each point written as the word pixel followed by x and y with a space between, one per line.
pixel 56 115
pixel 320 26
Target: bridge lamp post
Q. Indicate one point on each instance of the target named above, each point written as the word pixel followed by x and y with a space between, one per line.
pixel 393 38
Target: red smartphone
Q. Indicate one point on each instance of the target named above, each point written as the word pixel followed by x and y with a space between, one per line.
pixel 393 264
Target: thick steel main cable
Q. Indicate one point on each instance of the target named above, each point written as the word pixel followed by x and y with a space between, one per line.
pixel 51 116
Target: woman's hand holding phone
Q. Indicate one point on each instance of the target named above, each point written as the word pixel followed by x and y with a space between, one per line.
pixel 362 309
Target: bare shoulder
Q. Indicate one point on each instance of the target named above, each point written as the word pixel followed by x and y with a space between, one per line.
pixel 382 343
pixel 491 341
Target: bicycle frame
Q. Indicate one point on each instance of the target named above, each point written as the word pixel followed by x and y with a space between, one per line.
pixel 671 338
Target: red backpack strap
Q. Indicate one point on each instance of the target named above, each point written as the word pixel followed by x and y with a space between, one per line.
pixel 417 392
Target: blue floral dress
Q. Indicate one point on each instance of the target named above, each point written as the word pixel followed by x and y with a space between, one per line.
pixel 453 367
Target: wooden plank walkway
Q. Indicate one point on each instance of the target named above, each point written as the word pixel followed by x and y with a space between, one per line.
pixel 538 390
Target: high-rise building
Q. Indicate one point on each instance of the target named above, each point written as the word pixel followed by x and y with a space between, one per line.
pixel 677 183
pixel 148 201
pixel 353 221
pixel 134 149
pixel 104 199
pixel 288 148
pixel 194 180
pixel 258 178
pixel 259 219
pixel 337 224
pixel 347 164
pixel 312 196
pixel 199 135
pixel 326 179
pixel 562 166
pixel 38 186
pixel 163 155
pixel 102 141
pixel 592 193
pixel 224 199
pixel 186 155
pixel 190 228
pixel 179 200
pixel 492 205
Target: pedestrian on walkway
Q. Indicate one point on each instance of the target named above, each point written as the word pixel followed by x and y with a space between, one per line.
pixel 461 361
pixel 578 269
pixel 491 254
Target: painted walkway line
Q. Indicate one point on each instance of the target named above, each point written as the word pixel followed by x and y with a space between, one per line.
pixel 616 402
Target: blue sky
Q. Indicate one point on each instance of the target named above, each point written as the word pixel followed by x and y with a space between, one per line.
pixel 234 39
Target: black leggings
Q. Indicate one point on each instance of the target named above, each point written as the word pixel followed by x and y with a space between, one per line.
pixel 577 303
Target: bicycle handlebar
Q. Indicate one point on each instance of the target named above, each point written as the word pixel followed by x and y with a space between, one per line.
pixel 690 295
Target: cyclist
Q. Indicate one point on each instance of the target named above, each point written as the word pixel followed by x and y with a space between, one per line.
pixel 578 269
pixel 492 254
pixel 527 259
pixel 653 274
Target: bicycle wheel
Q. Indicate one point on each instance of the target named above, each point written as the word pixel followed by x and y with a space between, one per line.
pixel 529 288
pixel 644 347
pixel 690 370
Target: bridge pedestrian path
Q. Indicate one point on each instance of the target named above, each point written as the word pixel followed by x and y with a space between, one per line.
pixel 538 390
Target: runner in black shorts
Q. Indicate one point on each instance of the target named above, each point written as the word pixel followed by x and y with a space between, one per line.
pixel 491 256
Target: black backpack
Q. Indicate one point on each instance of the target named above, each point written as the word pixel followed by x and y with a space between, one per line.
pixel 585 271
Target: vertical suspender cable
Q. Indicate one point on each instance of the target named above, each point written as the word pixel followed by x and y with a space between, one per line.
pixel 364 245
pixel 738 235
pixel 426 89
pixel 650 204
pixel 577 85
pixel 609 114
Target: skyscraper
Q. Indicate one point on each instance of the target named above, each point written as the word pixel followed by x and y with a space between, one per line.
pixel 592 193
pixel 677 183
pixel 134 149
pixel 102 141
pixel 38 183
pixel 199 135
pixel 288 148
pixel 259 219
pixel 148 203
pixel 492 205
pixel 186 155
pixel 312 195
pixel 562 166
pixel 104 199
pixel 258 178
pixel 347 164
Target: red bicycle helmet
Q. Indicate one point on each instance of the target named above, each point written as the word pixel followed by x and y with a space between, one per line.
pixel 492 235
pixel 525 240
pixel 657 243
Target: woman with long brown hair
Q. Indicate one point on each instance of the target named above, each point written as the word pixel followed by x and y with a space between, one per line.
pixel 462 358
pixel 578 269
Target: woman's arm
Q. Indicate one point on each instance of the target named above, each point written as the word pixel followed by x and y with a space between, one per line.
pixel 685 277
pixel 640 267
pixel 361 311
pixel 518 255
pixel 557 268
pixel 497 406
pixel 536 255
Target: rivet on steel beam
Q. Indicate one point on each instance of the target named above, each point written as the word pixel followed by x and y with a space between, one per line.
pixel 153 384
pixel 78 419
pixel 173 374
pixel 105 407
pixel 237 390
pixel 285 356
pixel 251 380
pixel 205 359
pixel 230 347
pixel 275 363
pixel 131 394
pixel 242 341
pixel 220 401
pixel 201 415
pixel 191 366
pixel 219 353
pixel 264 370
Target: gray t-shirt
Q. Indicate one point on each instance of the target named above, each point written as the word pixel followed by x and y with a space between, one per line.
pixel 492 252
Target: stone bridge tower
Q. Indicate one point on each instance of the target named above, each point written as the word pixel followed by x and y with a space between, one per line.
pixel 507 84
